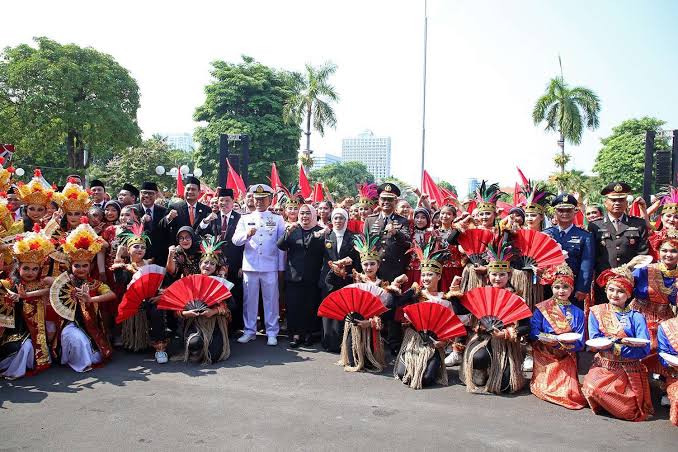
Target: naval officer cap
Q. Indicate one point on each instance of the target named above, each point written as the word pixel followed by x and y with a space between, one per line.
pixel 564 201
pixel 260 190
pixel 616 190
pixel 388 190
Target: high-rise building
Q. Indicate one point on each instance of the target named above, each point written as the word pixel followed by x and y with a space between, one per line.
pixel 183 141
pixel 323 160
pixel 373 151
pixel 473 184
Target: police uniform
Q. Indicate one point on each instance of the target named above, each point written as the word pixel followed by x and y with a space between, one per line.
pixel 617 245
pixel 578 243
pixel 262 260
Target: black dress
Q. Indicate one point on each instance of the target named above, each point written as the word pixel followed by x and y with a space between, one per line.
pixel 302 271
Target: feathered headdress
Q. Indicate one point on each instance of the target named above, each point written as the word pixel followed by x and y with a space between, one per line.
pixel 670 200
pixel 487 196
pixel 367 194
pixel 135 234
pixel 35 192
pixel 210 249
pixel 537 197
pixel 73 198
pixel 499 258
pixel 291 196
pixel 5 175
pixel 367 246
pixel 82 243
pixel 429 257
pixel 562 273
pixel 33 246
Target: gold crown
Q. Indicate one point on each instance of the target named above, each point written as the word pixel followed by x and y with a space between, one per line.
pixel 6 220
pixel 32 247
pixel 499 267
pixel 366 201
pixel 670 207
pixel 431 265
pixel 534 208
pixel 82 243
pixel 35 192
pixel 5 177
pixel 74 198
pixel 486 207
pixel 371 255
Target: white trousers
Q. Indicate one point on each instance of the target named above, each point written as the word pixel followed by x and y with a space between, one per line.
pixel 76 349
pixel 268 282
pixel 15 365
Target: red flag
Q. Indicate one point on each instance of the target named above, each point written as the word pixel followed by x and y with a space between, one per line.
pixel 180 184
pixel 523 179
pixel 431 189
pixel 516 195
pixel 318 192
pixel 634 210
pixel 471 206
pixel 303 183
pixel 579 218
pixel 235 182
pixel 275 178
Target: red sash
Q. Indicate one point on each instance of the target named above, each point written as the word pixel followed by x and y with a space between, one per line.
pixel 655 284
pixel 607 321
pixel 551 311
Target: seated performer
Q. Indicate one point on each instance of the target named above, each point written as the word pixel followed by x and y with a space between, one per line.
pixel 667 338
pixel 206 333
pixel 554 374
pixel 83 338
pixel 25 341
pixel 617 381
pixel 421 364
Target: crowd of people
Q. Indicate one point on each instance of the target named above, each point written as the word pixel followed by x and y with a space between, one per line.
pixel 520 288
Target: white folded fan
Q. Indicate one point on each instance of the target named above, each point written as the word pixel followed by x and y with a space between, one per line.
pixel 599 342
pixel 569 337
pixel 636 340
pixel 669 358
pixel 642 261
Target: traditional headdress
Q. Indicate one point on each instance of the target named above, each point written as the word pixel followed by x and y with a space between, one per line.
pixel 367 246
pixel 670 236
pixel 620 276
pixel 537 197
pixel 6 218
pixel 487 196
pixel 499 258
pixel 5 175
pixel 429 257
pixel 562 273
pixel 35 192
pixel 82 243
pixel 73 198
pixel 33 246
pixel 134 235
pixel 210 249
pixel 670 201
pixel 367 194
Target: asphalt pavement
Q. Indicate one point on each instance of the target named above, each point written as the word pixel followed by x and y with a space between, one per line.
pixel 275 398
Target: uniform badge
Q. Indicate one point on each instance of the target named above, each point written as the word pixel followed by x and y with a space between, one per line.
pixel 328 245
pixel 618 188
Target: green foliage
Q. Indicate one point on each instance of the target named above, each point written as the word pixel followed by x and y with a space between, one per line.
pixel 248 98
pixel 341 178
pixel 448 186
pixel 137 165
pixel 313 101
pixel 406 190
pixel 576 182
pixel 622 157
pixel 56 101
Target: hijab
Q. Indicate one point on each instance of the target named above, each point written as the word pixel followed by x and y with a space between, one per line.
pixel 314 217
pixel 343 213
pixel 426 213
pixel 195 241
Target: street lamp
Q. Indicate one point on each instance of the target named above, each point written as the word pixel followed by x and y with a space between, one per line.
pixel 185 171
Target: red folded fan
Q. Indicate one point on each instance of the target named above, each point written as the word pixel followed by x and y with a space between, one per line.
pixel 434 319
pixel 144 285
pixel 494 302
pixel 538 249
pixel 377 291
pixel 193 293
pixel 474 243
pixel 350 300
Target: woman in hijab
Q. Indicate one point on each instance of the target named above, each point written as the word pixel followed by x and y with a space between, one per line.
pixel 304 246
pixel 184 259
pixel 340 258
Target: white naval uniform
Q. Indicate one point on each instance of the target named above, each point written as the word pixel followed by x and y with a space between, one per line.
pixel 262 260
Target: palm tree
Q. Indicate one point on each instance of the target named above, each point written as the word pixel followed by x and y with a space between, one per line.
pixel 313 102
pixel 566 110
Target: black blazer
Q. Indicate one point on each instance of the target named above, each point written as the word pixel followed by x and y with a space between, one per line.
pixel 232 254
pixel 330 282
pixel 615 248
pixel 392 250
pixel 304 254
pixel 183 218
pixel 160 239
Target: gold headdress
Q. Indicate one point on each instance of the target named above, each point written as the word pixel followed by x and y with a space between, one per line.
pixel 82 243
pixel 562 273
pixel 210 249
pixel 5 175
pixel 487 197
pixel 367 246
pixel 73 198
pixel 499 259
pixel 134 235
pixel 429 258
pixel 33 246
pixel 35 192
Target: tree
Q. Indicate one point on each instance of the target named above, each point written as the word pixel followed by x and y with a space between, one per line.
pixel 248 98
pixel 64 106
pixel 137 165
pixel 341 178
pixel 448 186
pixel 575 181
pixel 566 111
pixel 313 101
pixel 406 190
pixel 622 156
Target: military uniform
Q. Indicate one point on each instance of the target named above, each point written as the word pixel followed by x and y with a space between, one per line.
pixel 262 260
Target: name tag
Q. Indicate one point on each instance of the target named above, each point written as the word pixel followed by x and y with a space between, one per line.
pixel 575 240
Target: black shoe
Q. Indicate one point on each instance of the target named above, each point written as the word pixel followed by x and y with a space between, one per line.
pixel 308 340
pixel 295 342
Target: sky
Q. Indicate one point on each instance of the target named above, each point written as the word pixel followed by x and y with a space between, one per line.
pixel 488 62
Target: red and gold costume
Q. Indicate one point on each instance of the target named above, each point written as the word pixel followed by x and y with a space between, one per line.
pixel 669 344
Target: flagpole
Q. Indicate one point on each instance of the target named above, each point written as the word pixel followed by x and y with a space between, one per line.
pixel 423 112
